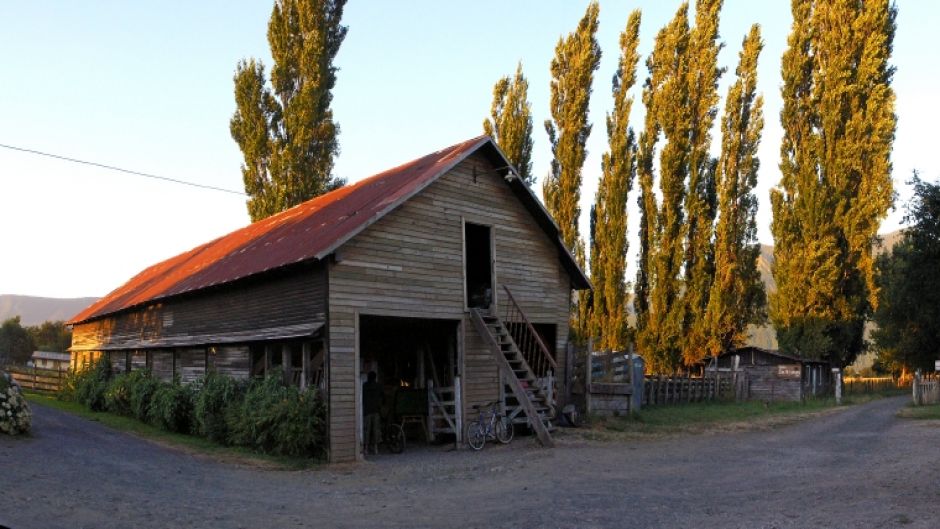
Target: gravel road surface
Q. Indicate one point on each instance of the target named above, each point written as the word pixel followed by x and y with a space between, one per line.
pixel 859 467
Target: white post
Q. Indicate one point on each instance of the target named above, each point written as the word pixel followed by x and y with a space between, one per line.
pixel 458 412
pixel 837 374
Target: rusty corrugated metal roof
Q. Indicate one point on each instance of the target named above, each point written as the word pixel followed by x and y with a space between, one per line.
pixel 308 231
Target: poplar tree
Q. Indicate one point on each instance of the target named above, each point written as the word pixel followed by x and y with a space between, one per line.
pixel 700 207
pixel 737 293
pixel 838 120
pixel 660 325
pixel 609 248
pixel 285 130
pixel 577 56
pixel 510 122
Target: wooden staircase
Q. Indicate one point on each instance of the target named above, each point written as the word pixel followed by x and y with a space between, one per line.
pixel 526 367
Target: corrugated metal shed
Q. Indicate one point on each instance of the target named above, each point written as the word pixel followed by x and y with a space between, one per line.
pixel 312 230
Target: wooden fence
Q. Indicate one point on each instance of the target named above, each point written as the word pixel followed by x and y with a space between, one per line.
pixel 868 385
pixel 659 390
pixel 925 389
pixel 46 380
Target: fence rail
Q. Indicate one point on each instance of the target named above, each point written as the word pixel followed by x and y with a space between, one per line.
pixel 46 380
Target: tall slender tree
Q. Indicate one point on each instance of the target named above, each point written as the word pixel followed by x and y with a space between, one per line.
pixel 510 122
pixel 737 293
pixel 609 248
pixel 577 56
pixel 835 189
pixel 666 95
pixel 286 130
pixel 700 203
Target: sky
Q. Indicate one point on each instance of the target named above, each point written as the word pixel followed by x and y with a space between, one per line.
pixel 148 86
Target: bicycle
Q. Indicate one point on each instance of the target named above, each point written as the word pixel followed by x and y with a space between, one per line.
pixel 489 425
pixel 393 435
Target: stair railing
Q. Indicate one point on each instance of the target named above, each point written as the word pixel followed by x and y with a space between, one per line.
pixel 527 339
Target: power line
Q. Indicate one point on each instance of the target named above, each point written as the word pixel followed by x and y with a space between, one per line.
pixel 119 169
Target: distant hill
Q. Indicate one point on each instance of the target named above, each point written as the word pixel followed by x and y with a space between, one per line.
pixel 35 310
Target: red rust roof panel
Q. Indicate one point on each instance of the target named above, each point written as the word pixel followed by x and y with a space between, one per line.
pixel 307 231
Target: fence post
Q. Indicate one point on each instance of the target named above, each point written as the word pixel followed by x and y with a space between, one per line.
pixel 569 369
pixel 915 388
pixel 588 374
pixel 837 374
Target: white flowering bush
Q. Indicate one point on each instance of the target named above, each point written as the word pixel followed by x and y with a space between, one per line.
pixel 15 417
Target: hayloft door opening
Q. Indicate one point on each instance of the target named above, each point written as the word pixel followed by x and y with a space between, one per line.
pixel 478 262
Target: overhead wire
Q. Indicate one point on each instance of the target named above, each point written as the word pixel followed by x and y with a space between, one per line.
pixel 120 169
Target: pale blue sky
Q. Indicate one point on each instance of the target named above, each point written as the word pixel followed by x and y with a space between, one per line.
pixel 148 86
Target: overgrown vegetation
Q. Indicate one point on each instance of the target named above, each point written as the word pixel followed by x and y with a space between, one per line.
pixel 263 415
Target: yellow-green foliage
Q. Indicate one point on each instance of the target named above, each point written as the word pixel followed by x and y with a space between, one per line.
pixel 510 122
pixel 609 249
pixel 835 188
pixel 286 131
pixel 737 293
pixel 577 56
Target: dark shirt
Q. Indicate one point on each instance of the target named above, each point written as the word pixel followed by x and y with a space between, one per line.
pixel 372 397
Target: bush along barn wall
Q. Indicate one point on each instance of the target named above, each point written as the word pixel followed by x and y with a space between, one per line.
pixel 264 415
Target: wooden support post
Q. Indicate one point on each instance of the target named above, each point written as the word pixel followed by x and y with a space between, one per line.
pixel 588 376
pixel 285 363
pixel 569 372
pixel 458 412
pixel 305 366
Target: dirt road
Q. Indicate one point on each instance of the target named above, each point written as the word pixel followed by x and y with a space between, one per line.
pixel 860 467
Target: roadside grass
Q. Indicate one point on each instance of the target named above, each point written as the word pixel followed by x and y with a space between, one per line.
pixel 714 417
pixel 930 412
pixel 187 443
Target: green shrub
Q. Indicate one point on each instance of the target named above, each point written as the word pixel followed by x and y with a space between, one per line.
pixel 88 386
pixel 143 385
pixel 274 418
pixel 216 395
pixel 117 397
pixel 171 407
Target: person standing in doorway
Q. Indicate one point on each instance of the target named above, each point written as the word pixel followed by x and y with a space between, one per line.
pixel 372 397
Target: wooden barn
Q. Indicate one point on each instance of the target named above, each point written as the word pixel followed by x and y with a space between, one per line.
pixel 773 376
pixel 444 275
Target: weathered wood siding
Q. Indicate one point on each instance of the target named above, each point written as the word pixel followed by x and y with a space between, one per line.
pixel 773 383
pixel 161 364
pixel 410 264
pixel 191 364
pixel 272 300
pixel 232 360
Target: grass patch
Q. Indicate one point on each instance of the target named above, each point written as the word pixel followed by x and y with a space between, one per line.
pixel 189 443
pixel 705 417
pixel 930 412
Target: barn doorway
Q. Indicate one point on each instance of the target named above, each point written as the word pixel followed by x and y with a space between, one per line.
pixel 415 361
pixel 478 262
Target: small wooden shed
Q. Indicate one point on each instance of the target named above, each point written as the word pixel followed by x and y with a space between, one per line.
pixel 444 274
pixel 50 360
pixel 773 376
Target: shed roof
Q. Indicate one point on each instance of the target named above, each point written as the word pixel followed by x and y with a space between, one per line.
pixel 51 355
pixel 313 230
pixel 771 352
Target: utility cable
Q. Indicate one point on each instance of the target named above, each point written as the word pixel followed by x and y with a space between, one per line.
pixel 119 169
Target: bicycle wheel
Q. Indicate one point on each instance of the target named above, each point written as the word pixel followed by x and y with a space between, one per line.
pixel 504 430
pixel 396 439
pixel 476 437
